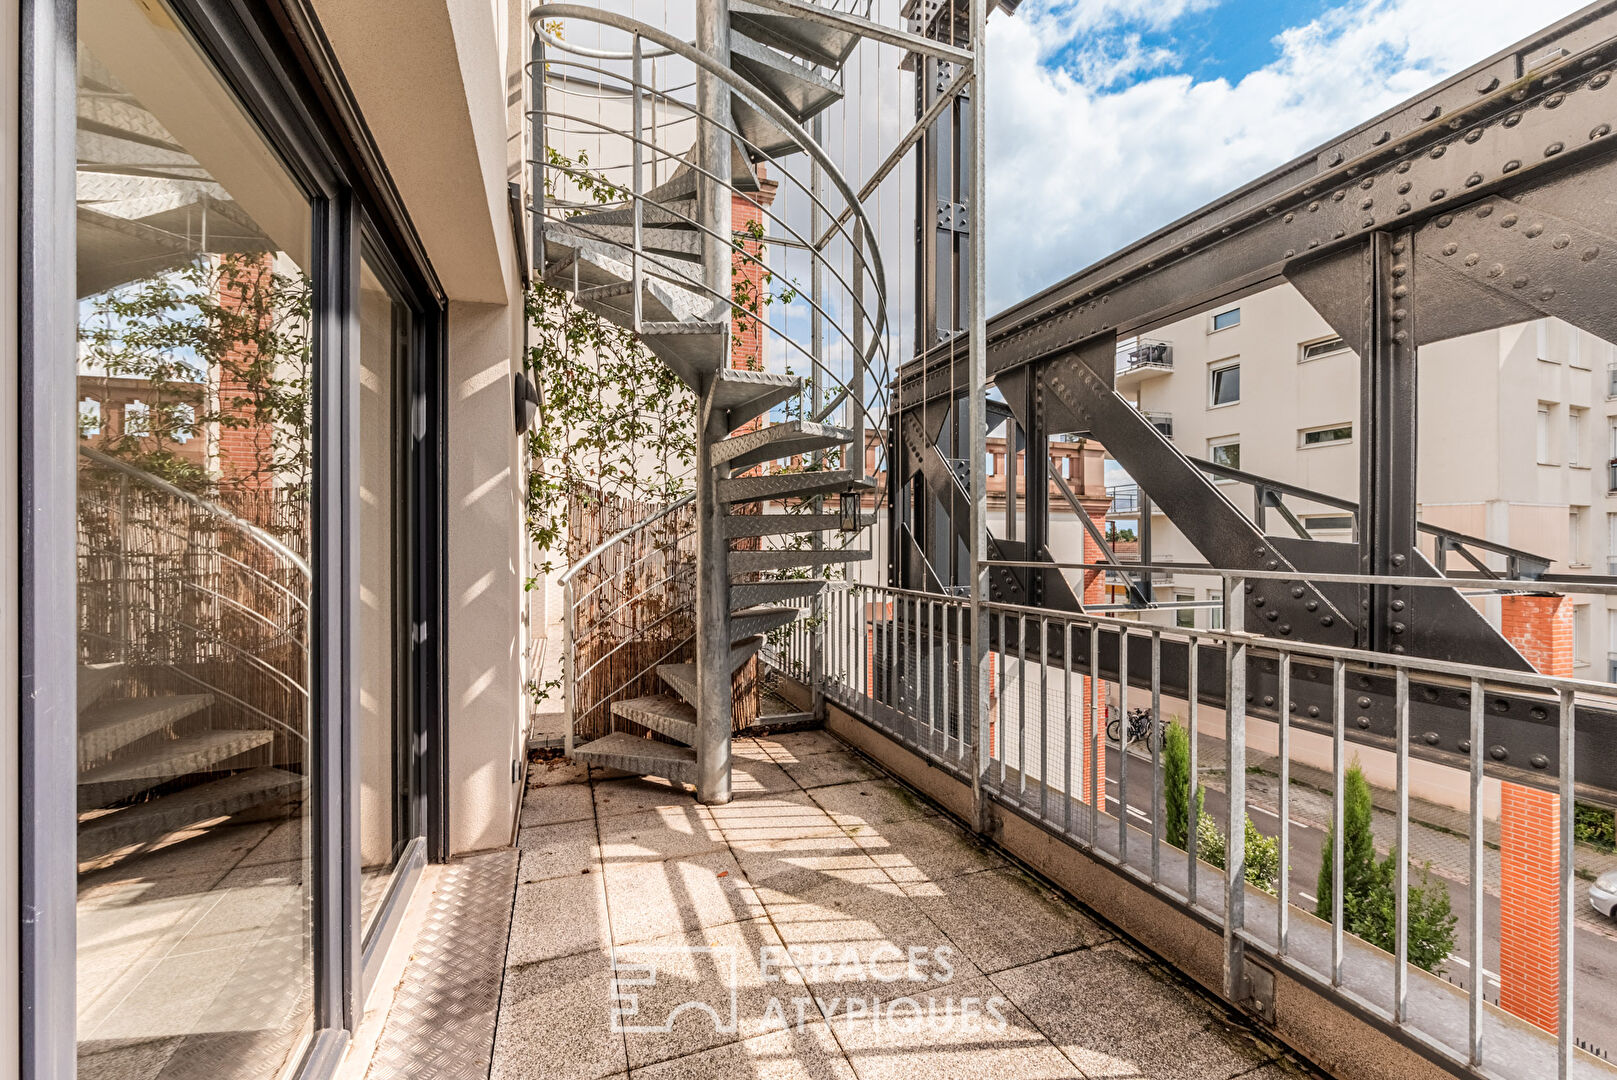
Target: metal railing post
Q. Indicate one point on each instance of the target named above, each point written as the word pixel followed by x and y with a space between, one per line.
pixel 636 259
pixel 1235 654
pixel 569 661
pixel 977 408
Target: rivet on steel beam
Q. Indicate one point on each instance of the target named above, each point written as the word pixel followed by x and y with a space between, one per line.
pixel 1313 207
pixel 1498 753
pixel 1431 738
pixel 1403 166
pixel 1381 138
pixel 1539 761
pixel 1473 135
pixel 1399 315
pixel 1289 218
pixel 1285 628
pixel 1364 703
pixel 1297 591
pixel 1465 746
pixel 1269 700
pixel 1547 294
pixel 1368 223
pixel 1432 114
pixel 1398 247
pixel 1399 270
pixel 1485 210
pixel 1336 159
pixel 1437 152
pixel 1272 616
pixel 1312 605
pixel 1313 710
pixel 1290 252
pixel 1472 259
pixel 1313 243
pixel 1590 254
pixel 1537 713
pixel 1445 221
pixel 1339 234
pixel 1293 706
pixel 1553 149
pixel 1258 601
pixel 1398 560
pixel 1273 565
pixel 1438 195
pixel 1367 183
pixel 1362 721
pixel 1400 292
pixel 1507 221
pixel 1519 282
pixel 1367 204
pixel 1338 196
pixel 1600 80
pixel 1403 188
pixel 1510 166
pixel 1487 84
pixel 1399 628
pixel 1473 180
pixel 1327 620
pixel 1397 605
pixel 1450 249
pixel 1512 120
pixel 1554 100
pixel 1496 270
pixel 1600 131
pixel 1403 208
pixel 1401 337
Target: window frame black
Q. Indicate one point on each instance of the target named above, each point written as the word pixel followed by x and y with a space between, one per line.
pixel 273 61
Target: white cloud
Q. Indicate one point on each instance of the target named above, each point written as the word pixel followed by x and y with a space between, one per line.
pixel 1076 171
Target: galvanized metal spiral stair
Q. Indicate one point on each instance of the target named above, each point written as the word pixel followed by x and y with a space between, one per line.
pixel 657 289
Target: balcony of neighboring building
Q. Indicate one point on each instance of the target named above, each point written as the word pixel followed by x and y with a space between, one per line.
pixel 1140 359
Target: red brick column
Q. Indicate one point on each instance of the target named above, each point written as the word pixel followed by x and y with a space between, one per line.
pixel 1529 857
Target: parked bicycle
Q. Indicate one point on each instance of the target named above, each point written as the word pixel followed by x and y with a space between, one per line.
pixel 1141 729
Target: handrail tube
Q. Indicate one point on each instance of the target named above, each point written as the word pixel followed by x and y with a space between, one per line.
pixel 200 503
pixel 620 535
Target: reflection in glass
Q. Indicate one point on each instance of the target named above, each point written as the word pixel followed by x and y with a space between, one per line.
pixel 383 744
pixel 196 444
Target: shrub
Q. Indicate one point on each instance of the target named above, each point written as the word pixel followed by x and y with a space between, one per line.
pixel 1262 852
pixel 1595 825
pixel 1358 845
pixel 1176 784
pixel 1373 916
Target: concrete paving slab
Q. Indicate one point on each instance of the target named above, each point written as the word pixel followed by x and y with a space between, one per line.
pixel 925 849
pixel 557 851
pixel 870 802
pixel 667 833
pixel 648 899
pixel 1003 919
pixel 637 794
pixel 809 1052
pixel 554 1022
pixel 822 769
pixel 556 804
pixel 972 1033
pixel 1148 1027
pixel 797 745
pixel 557 918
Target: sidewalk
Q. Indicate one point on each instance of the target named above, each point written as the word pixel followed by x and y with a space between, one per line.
pixel 1439 836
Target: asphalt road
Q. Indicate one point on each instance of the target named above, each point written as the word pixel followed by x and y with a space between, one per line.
pixel 1594 955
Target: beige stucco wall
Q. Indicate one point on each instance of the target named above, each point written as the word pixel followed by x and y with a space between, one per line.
pixel 440 85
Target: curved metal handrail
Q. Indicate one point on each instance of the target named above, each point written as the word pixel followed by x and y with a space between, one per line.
pixel 763 104
pixel 621 535
pixel 247 527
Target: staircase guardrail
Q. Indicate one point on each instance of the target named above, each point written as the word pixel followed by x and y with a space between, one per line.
pixel 195 596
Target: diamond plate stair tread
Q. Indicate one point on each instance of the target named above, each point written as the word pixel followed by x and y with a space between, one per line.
pixel 682 677
pixel 95 680
pixel 442 1023
pixel 752 593
pixel 788 485
pixel 764 138
pixel 148 821
pixel 750 562
pixel 172 759
pixel 674 214
pixel 662 713
pixel 599 263
pixel 760 620
pixel 110 725
pixel 660 301
pixel 795 87
pixel 742 525
pixel 778 441
pixel 744 395
pixel 692 350
pixel 827 46
pixel 682 184
pixel 676 243
pixel 643 757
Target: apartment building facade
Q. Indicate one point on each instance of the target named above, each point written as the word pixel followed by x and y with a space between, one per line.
pixel 263 513
pixel 1518 436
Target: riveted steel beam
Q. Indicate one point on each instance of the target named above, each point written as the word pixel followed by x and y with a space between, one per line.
pixel 1539 113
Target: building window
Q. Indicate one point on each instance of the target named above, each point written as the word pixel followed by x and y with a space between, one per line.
pixel 89 417
pixel 1225 452
pixel 1215 614
pixel 1580 635
pixel 1543 450
pixel 1185 616
pixel 1574 437
pixel 1226 319
pixel 1224 385
pixel 993 460
pixel 1575 554
pixel 1313 350
pixel 1325 435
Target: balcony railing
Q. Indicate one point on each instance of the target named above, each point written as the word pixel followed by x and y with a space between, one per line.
pixel 1611 380
pixel 1611 477
pixel 1162 421
pixel 900 662
pixel 1145 355
pixel 1125 499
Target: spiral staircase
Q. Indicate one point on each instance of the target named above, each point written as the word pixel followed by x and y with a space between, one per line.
pixel 657 261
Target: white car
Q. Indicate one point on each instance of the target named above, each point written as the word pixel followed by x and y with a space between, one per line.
pixel 1603 893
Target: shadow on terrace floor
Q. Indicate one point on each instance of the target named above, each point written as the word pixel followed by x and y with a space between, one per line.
pixel 827 923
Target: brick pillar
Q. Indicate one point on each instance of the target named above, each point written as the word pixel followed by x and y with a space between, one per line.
pixel 1094 770
pixel 1529 858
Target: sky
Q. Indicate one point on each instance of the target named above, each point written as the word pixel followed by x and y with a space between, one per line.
pixel 1111 118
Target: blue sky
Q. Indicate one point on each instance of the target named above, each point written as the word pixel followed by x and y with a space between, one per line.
pixel 1111 118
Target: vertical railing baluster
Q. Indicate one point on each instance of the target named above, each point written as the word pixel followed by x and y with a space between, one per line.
pixel 1095 740
pixel 1338 775
pixel 999 719
pixel 1283 915
pixel 1566 889
pixel 1154 741
pixel 1400 970
pixel 1235 653
pixel 1066 727
pixel 1021 708
pixel 1044 718
pixel 1122 744
pixel 1193 686
pixel 1475 862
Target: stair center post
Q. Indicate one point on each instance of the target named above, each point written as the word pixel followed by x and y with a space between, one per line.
pixel 713 719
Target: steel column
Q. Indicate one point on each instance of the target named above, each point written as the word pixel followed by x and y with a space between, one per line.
pixel 1387 437
pixel 977 410
pixel 712 585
